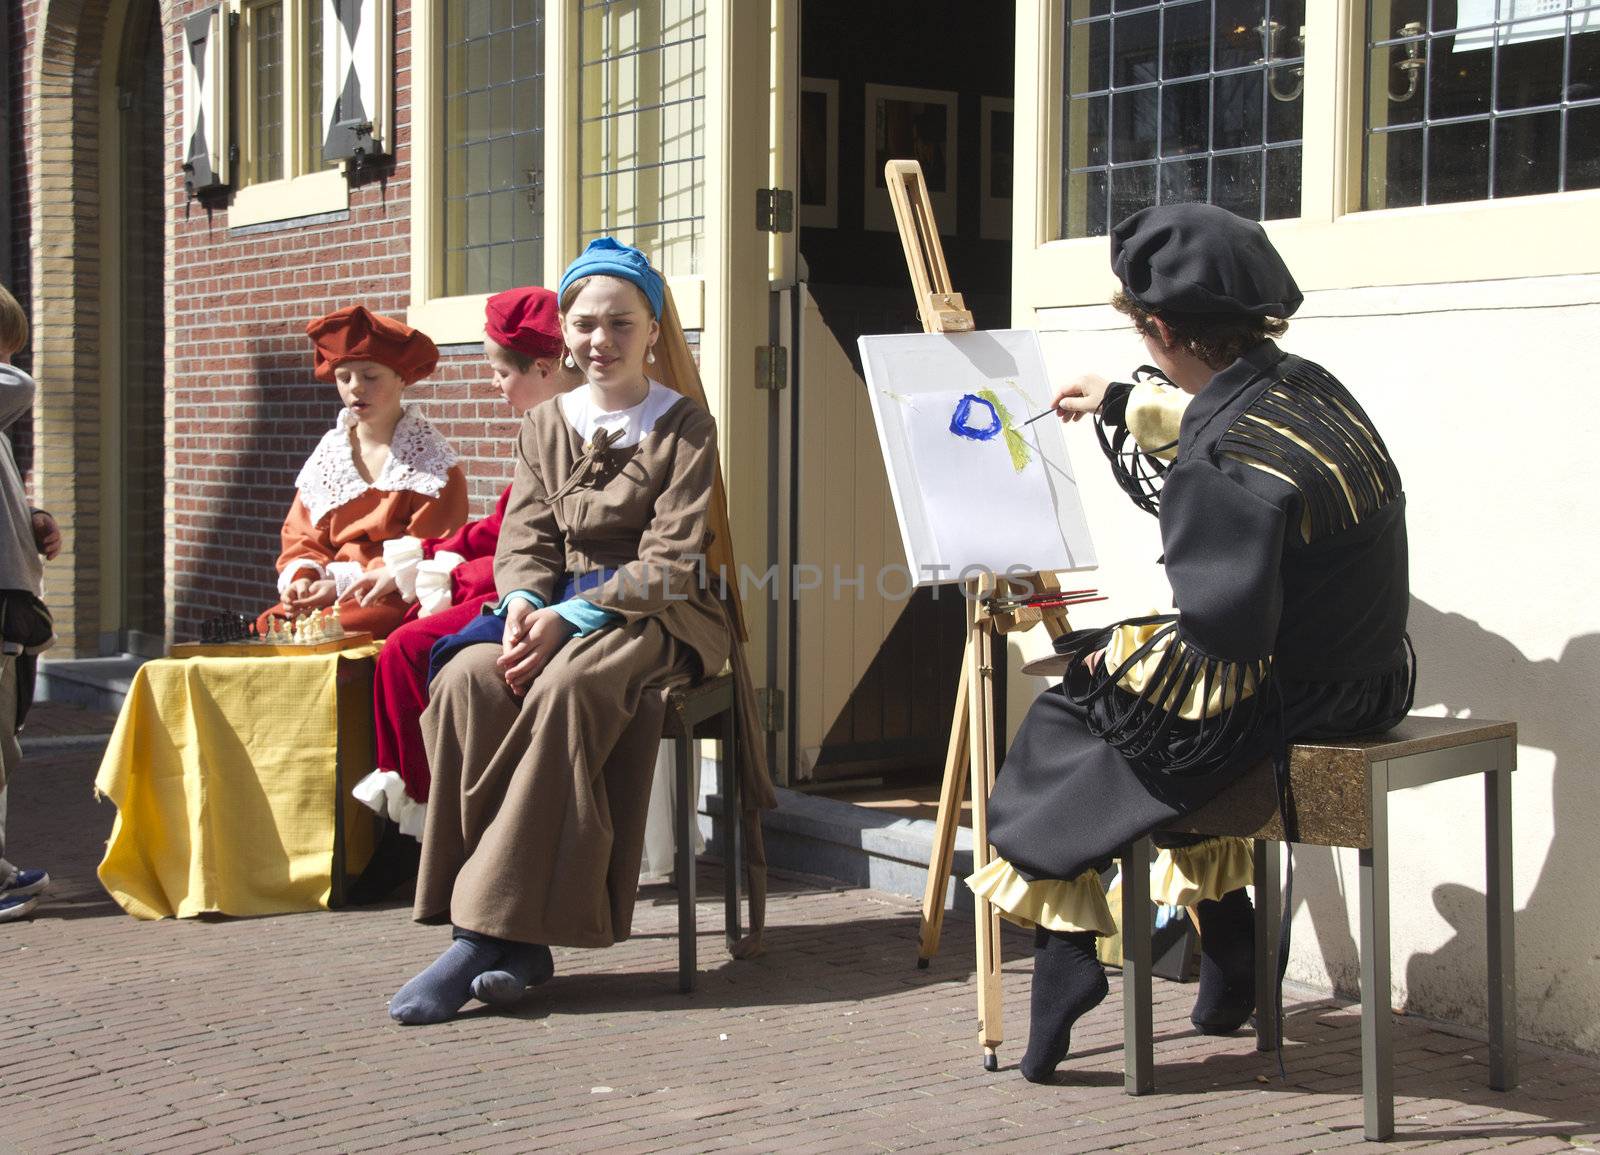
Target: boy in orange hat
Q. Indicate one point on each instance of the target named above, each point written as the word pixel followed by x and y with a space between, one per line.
pixel 380 473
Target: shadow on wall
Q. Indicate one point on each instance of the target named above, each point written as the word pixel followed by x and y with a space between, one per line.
pixel 1468 669
pixel 232 570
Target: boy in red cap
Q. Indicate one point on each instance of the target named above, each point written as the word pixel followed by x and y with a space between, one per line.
pixel 449 580
pixel 380 473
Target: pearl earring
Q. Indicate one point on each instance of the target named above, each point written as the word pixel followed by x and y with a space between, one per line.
pixel 650 357
pixel 569 362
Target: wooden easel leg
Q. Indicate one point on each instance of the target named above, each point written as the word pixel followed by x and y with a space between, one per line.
pixel 980 745
pixel 951 794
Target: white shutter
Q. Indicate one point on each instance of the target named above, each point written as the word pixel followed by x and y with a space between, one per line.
pixel 357 77
pixel 206 139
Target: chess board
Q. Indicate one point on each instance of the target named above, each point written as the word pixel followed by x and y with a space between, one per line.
pixel 261 648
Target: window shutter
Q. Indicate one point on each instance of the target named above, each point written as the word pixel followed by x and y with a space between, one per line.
pixel 357 77
pixel 205 100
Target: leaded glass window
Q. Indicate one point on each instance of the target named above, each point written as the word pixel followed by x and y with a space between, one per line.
pixel 494 145
pixel 641 150
pixel 1181 100
pixel 266 106
pixel 1481 99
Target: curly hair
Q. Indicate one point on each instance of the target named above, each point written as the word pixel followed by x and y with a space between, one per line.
pixel 13 323
pixel 1218 340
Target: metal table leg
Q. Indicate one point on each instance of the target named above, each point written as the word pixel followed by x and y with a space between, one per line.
pixel 732 823
pixel 1377 1052
pixel 1501 918
pixel 1269 903
pixel 1138 1046
pixel 688 964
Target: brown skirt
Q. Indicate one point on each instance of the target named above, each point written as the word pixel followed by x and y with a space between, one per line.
pixel 536 817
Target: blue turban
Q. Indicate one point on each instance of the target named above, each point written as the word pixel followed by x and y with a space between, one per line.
pixel 606 257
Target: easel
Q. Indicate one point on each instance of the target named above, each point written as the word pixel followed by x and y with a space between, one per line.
pixel 942 310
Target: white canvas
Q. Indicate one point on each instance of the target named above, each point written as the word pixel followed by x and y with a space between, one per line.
pixel 974 488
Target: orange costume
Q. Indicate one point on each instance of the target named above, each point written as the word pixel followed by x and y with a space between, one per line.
pixel 339 520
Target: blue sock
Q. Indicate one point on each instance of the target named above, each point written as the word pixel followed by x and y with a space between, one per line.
pixel 439 992
pixel 522 965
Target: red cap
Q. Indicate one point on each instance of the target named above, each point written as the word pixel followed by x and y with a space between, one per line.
pixel 355 334
pixel 527 320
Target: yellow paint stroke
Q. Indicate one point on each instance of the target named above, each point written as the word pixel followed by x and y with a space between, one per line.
pixel 1016 444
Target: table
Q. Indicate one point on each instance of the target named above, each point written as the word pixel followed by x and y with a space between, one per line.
pixel 232 777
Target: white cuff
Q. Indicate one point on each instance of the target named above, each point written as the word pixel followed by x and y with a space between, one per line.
pixel 344 575
pixel 401 555
pixel 384 793
pixel 294 567
pixel 434 591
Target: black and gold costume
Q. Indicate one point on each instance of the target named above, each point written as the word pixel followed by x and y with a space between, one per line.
pixel 1284 536
pixel 1283 523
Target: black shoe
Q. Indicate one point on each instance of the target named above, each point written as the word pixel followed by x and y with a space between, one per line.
pixel 394 863
pixel 1227 995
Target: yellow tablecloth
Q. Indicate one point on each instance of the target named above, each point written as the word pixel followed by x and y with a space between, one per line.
pixel 227 781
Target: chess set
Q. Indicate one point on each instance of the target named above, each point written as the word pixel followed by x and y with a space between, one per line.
pixel 236 636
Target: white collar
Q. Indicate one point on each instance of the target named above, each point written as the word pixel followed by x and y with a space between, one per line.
pixel 629 425
pixel 419 461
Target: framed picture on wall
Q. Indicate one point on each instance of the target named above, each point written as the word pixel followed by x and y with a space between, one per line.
pixel 996 134
pixel 819 152
pixel 910 124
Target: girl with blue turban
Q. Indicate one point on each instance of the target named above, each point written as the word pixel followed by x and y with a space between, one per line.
pixel 543 741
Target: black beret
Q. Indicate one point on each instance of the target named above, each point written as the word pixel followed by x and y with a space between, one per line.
pixel 1200 259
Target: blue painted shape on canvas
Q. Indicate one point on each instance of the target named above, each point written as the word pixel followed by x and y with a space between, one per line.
pixel 968 420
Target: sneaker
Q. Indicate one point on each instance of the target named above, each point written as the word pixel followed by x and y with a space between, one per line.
pixel 12 909
pixel 25 884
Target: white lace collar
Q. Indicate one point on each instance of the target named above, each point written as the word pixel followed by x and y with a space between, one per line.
pixel 581 412
pixel 419 461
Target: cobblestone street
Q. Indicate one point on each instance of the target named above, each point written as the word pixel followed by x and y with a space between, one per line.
pixel 270 1035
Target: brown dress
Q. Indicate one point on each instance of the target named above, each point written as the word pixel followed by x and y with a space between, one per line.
pixel 536 819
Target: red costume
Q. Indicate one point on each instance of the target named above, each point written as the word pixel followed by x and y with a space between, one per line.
pixel 399 787
pixel 527 321
pixel 339 523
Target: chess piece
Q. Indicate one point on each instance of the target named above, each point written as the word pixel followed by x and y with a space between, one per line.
pixel 335 627
pixel 314 627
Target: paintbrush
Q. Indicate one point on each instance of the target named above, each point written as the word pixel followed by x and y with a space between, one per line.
pixel 1040 417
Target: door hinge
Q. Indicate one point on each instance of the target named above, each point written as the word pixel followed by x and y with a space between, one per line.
pixel 770 708
pixel 775 210
pixel 772 366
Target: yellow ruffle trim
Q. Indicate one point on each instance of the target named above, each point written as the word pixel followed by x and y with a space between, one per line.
pixel 1186 875
pixel 1074 904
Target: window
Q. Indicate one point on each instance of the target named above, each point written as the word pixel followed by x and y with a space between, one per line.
pixel 311 158
pixel 282 173
pixel 1480 99
pixel 266 91
pixel 1181 100
pixel 641 144
pixel 493 79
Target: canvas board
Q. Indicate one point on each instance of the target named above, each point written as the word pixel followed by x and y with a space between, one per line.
pixel 975 490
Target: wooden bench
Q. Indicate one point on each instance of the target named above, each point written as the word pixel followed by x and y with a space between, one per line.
pixel 1341 797
pixel 706 709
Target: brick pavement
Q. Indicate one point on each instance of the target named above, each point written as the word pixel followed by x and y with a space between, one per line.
pixel 270 1035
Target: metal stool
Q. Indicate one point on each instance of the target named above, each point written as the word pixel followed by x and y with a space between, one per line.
pixel 706 709
pixel 1341 793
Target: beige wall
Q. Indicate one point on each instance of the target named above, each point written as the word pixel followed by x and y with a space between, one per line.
pixel 1483 394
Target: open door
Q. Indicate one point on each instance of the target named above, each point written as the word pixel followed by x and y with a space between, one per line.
pixel 869 667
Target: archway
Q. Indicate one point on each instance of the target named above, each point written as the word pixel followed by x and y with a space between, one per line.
pixel 96 124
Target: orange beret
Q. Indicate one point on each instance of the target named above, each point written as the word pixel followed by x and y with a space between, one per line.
pixel 354 333
pixel 527 320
